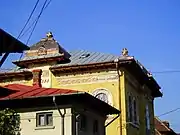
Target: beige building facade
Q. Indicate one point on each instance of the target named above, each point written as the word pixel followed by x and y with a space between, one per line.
pixel 57 111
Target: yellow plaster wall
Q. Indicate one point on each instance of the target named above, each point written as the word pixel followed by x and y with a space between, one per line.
pixel 142 95
pixel 16 81
pixel 110 83
pixel 108 80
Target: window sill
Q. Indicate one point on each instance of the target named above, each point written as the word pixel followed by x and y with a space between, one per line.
pixel 45 127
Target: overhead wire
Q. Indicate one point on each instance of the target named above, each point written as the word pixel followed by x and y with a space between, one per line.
pixel 30 16
pixel 42 9
pixel 171 111
pixel 35 20
pixel 166 72
pixel 45 5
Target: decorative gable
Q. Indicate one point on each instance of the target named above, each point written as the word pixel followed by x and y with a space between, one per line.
pixel 46 46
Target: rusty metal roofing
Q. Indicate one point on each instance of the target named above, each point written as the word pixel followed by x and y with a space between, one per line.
pixel 17 95
pixel 19 91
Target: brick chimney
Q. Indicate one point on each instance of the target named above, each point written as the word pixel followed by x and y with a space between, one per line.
pixel 37 77
pixel 166 123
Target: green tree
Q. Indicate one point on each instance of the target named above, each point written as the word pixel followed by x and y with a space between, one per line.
pixel 9 122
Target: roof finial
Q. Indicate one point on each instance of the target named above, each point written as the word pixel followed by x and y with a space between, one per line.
pixel 49 35
pixel 124 52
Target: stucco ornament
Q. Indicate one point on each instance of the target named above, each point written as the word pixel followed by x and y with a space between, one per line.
pixel 49 35
pixel 125 52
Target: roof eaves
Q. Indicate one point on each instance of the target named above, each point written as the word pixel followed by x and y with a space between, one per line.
pixel 9 73
pixel 162 123
pixel 42 96
pixel 11 41
pixel 158 133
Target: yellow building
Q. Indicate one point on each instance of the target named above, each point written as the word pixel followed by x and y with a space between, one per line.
pixel 121 81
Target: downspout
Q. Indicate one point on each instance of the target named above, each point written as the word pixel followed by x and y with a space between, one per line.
pixel 61 114
pixel 119 89
pixel 77 124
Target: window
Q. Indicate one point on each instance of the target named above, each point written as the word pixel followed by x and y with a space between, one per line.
pixel 148 128
pixel 84 56
pixel 44 119
pixel 95 127
pixel 82 122
pixel 133 110
pixel 130 109
pixel 102 96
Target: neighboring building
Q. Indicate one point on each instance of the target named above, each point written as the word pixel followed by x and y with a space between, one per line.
pixel 120 81
pixel 45 111
pixel 163 127
pixel 8 44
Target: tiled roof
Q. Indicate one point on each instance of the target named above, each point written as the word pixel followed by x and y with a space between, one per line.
pixel 160 126
pixel 157 132
pixel 19 91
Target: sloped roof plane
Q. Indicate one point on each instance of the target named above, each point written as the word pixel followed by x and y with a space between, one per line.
pixel 23 96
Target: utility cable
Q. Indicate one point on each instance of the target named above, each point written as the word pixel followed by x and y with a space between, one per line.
pixel 35 20
pixel 7 54
pixel 32 12
pixel 42 9
pixel 166 113
pixel 166 72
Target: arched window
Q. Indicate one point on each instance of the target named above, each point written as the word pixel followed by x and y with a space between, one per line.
pixel 103 95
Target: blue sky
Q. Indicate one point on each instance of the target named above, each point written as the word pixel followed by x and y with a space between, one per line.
pixel 150 29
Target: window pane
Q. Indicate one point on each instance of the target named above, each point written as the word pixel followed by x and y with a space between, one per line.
pixel 82 122
pixel 130 109
pixel 135 113
pixel 147 118
pixel 103 97
pixel 49 119
pixel 41 120
pixel 95 126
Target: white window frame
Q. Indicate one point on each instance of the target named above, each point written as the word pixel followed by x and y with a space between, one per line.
pixel 44 114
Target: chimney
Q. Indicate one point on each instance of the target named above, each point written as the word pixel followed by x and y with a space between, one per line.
pixel 166 123
pixel 37 77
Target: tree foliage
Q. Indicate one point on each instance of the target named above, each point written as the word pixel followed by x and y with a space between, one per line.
pixel 9 122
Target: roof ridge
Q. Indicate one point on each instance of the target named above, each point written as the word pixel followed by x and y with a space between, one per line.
pixel 93 52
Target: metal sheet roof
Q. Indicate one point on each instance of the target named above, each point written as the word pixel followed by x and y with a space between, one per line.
pixel 18 95
pixel 81 57
pixel 19 91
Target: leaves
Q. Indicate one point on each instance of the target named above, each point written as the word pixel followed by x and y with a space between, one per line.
pixel 9 122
